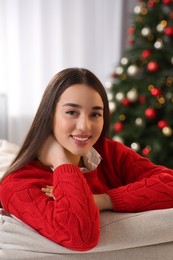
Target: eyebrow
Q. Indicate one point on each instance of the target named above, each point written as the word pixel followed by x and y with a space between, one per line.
pixel 79 106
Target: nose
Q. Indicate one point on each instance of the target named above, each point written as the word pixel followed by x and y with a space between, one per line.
pixel 83 123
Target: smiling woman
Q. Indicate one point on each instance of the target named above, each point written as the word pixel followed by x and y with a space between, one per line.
pixel 67 170
pixel 73 115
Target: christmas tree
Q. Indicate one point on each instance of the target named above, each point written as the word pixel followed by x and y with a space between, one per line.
pixel 141 89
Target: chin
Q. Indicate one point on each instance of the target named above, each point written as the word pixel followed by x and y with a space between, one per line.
pixel 79 153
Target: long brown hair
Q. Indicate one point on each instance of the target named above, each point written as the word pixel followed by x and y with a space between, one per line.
pixel 41 126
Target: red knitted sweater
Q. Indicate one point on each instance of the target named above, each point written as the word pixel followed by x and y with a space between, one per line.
pixel 72 219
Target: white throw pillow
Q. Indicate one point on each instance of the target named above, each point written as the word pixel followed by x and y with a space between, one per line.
pixel 7 153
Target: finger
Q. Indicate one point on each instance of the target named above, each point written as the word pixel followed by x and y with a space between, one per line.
pixel 48 186
pixel 50 195
pixel 47 189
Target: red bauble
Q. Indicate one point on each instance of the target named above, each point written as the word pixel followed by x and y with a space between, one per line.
pixel 142 99
pixel 152 66
pixel 145 54
pixel 167 2
pixel 151 3
pixel 130 41
pixel 118 127
pixel 150 113
pixel 126 102
pixel 156 92
pixel 171 15
pixel 114 74
pixel 168 31
pixel 130 30
pixel 162 123
pixel 146 151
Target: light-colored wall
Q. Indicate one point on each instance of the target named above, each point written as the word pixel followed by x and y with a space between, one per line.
pixel 38 38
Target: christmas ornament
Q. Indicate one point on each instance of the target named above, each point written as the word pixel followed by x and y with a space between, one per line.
pixel 126 102
pixel 119 96
pixel 161 100
pixel 152 66
pixel 118 138
pixel 167 131
pixel 150 113
pixel 168 31
pixel 108 85
pixel 118 127
pixel 146 151
pixel 135 146
pixel 114 74
pixel 150 87
pixel 137 9
pixel 156 92
pixel 142 99
pixel 145 54
pixel 112 106
pixel 122 117
pixel 123 76
pixel 145 31
pixel 162 123
pixel 171 15
pixel 169 81
pixel 124 61
pixel 132 95
pixel 132 70
pixel 110 96
pixel 158 44
pixel 139 121
pixel 151 3
pixel 130 30
pixel 159 28
pixel 167 2
pixel 169 95
pixel 119 70
pixel 150 37
pixel 130 41
pixel 144 11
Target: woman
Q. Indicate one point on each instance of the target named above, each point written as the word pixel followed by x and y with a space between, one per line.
pixel 67 170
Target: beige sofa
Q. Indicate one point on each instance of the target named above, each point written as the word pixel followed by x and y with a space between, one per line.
pixel 146 235
pixel 124 236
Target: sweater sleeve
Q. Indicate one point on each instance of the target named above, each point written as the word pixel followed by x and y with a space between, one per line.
pixel 144 185
pixel 71 220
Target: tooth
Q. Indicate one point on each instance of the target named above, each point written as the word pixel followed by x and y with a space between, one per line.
pixel 80 138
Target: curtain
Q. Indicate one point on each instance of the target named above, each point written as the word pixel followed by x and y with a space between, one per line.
pixel 40 37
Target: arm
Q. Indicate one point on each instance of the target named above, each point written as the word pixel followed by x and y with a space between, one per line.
pixel 145 186
pixel 102 201
pixel 71 220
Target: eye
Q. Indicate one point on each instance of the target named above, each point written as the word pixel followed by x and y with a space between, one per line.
pixel 96 115
pixel 71 113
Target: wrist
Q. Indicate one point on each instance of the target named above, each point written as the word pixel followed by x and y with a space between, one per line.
pixel 107 203
pixel 103 201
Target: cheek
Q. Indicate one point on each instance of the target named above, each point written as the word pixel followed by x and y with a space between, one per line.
pixel 99 127
pixel 62 125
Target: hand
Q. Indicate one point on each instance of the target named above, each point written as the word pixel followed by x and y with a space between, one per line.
pixel 48 191
pixel 52 153
pixel 103 201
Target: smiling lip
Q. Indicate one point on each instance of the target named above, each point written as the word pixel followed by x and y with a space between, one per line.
pixel 80 139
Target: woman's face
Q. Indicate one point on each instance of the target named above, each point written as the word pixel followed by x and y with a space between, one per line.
pixel 78 119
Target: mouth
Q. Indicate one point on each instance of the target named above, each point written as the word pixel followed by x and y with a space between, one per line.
pixel 80 138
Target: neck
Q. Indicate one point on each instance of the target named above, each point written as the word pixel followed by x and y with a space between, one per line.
pixel 81 162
